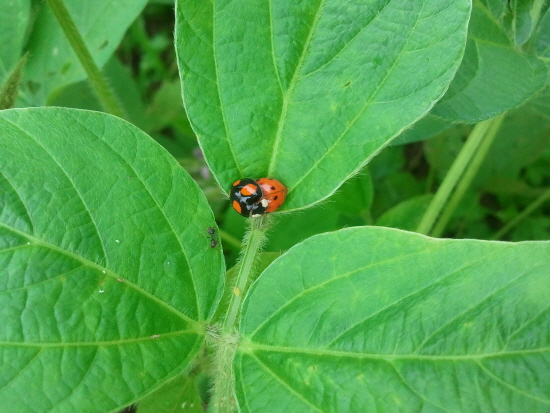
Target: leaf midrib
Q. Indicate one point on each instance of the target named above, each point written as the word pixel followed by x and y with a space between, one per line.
pixel 363 109
pixel 160 209
pixel 68 177
pixel 88 263
pixel 62 344
pixel 292 85
pixel 249 347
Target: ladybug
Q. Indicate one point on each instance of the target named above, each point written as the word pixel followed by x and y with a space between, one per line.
pixel 274 193
pixel 254 198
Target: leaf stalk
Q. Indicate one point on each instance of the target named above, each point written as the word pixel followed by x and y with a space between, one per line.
pixel 468 176
pixel 97 80
pixel 453 176
pixel 253 242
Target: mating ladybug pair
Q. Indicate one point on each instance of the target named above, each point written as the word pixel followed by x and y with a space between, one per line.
pixel 252 198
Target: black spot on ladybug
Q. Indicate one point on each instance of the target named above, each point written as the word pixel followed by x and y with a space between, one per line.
pixel 273 188
pixel 275 198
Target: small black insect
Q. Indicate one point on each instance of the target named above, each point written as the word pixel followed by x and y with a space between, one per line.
pixel 213 242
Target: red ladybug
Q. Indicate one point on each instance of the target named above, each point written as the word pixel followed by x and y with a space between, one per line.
pixel 274 193
pixel 254 198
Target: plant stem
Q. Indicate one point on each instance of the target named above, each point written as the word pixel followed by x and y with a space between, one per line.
pixel 252 245
pixel 223 389
pixel 468 176
pixel 10 88
pixel 452 177
pixel 225 342
pixel 99 84
pixel 522 215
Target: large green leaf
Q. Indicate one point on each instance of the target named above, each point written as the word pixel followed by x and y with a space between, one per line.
pixel 179 395
pixel 493 77
pixel 407 214
pixel 382 320
pixel 53 64
pixel 307 92
pixel 14 17
pixel 107 274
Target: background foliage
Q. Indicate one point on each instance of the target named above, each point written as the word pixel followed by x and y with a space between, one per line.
pixel 115 217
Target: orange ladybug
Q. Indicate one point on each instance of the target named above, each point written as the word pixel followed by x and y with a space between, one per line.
pixel 274 192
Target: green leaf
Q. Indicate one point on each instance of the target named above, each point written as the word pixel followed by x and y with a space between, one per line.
pixel 498 8
pixel 14 18
pixel 382 320
pixel 542 37
pixel 307 93
pixel 80 95
pixel 425 128
pixel 180 395
pixel 521 22
pixel 493 77
pixel 522 139
pixel 407 214
pixel 107 271
pixel 52 62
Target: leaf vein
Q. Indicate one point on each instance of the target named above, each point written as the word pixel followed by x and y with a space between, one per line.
pixel 21 199
pixel 160 209
pixel 510 386
pixel 288 94
pixel 71 182
pixel 286 384
pixel 473 307
pixel 108 272
pixel 361 111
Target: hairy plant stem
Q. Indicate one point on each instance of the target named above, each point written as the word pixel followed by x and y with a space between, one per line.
pixel 225 340
pixel 522 215
pixel 223 386
pixel 252 245
pixel 468 176
pixel 98 82
pixel 451 179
